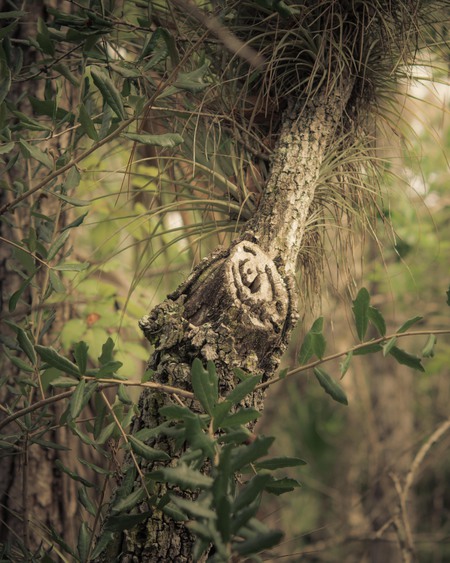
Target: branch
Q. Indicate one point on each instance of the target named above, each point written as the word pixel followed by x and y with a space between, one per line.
pixel 223 34
pixel 105 383
pixel 311 365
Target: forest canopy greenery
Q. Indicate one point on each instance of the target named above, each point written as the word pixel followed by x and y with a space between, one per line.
pixel 264 136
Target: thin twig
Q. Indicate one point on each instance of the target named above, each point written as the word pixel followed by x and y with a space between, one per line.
pixel 402 524
pixel 311 365
pixel 105 384
pixel 125 437
pixel 228 39
pixel 421 454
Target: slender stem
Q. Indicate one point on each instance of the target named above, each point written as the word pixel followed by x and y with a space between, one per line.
pixel 105 384
pixel 379 340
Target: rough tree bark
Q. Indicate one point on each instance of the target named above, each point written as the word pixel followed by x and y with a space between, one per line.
pixel 238 307
pixel 34 494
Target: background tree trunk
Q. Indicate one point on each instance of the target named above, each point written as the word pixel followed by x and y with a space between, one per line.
pixel 36 496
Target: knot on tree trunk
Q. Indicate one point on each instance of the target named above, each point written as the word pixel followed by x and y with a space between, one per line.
pixel 235 309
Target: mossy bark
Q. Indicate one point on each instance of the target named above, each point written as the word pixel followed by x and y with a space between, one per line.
pixel 238 307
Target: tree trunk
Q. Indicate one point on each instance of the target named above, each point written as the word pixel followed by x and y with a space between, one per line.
pixel 35 495
pixel 238 307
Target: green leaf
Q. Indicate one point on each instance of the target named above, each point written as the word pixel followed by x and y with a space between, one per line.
pixel 76 223
pixel 258 543
pixel 66 72
pixel 194 508
pixel 189 81
pixel 306 350
pixel 165 140
pixel 223 512
pixel 377 319
pixel 130 501
pixel 346 363
pixel 251 490
pixel 148 433
pixel 428 349
pixel 283 373
pixel 236 437
pixel 109 92
pixel 201 530
pixel 197 438
pixel 318 342
pixel 82 435
pixel 147 376
pixel 87 124
pixel 389 345
pixel 26 345
pixel 76 401
pixel 109 368
pixel 313 343
pixel 241 517
pixel 243 389
pixel 406 359
pixel 409 323
pixel 6 147
pixel 279 462
pixel 23 366
pixel 56 282
pixel 243 455
pixel 14 299
pixel 36 153
pixel 106 433
pixel 219 413
pixel 176 412
pixel 146 452
pixel 121 522
pixel 72 474
pixel 52 358
pixel 241 417
pixel 123 395
pixel 80 352
pixel 107 352
pixel 70 267
pixel 43 38
pixel 72 200
pixel 184 476
pixel 330 386
pixel 96 468
pixel 84 499
pixel 73 179
pixel 12 14
pixel 84 537
pixel 29 124
pixel 361 312
pixel 281 486
pixel 5 81
pixel 7 29
pixel 57 245
pixel 47 444
pixel 103 541
pixel 205 385
pixel 63 382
